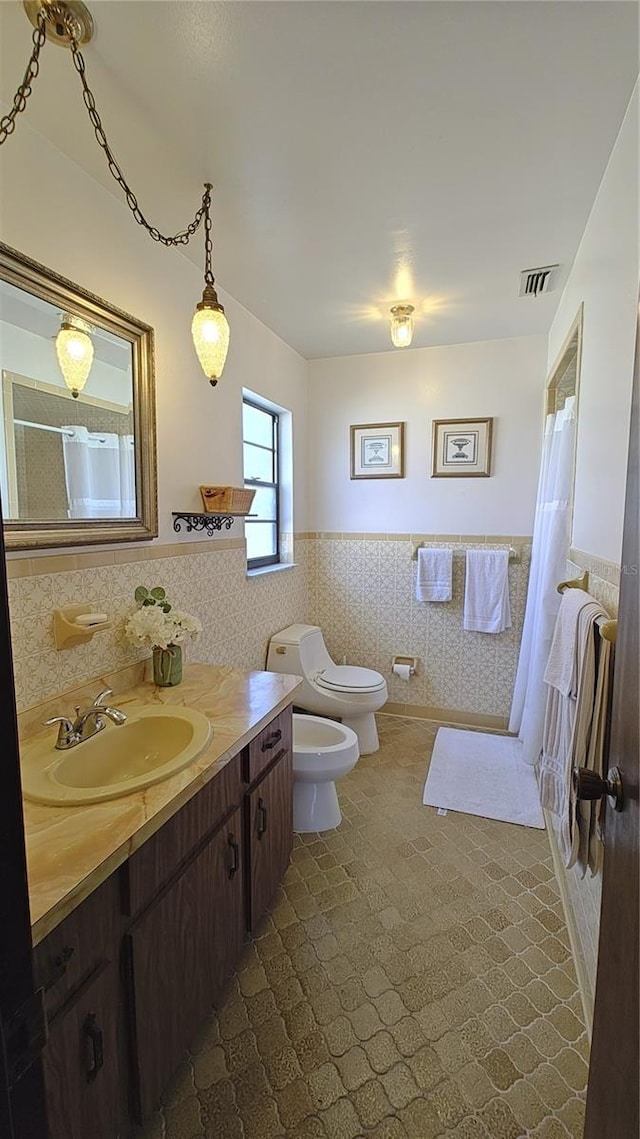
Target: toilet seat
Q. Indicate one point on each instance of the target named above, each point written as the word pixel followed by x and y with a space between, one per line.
pixel 349 678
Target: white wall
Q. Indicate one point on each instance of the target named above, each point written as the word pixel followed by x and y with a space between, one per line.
pixel 604 278
pixel 500 378
pixel 96 242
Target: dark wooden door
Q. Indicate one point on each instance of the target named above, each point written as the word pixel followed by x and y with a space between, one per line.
pixel 269 831
pixel 22 1103
pixel 614 1076
pixel 180 952
pixel 81 1062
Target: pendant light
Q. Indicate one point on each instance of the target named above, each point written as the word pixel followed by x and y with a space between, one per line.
pixel 209 327
pixel 74 349
pixel 402 325
pixel 69 23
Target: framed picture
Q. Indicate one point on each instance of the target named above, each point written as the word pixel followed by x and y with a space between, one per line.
pixel 377 451
pixel 461 448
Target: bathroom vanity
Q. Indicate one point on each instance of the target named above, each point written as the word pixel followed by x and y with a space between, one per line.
pixel 141 904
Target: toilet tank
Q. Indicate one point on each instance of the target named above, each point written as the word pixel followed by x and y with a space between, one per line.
pixel 298 650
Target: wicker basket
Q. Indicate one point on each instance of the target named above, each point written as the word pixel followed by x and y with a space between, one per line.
pixel 226 499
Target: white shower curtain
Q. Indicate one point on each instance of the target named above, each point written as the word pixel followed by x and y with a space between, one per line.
pixel 551 535
pixel 99 473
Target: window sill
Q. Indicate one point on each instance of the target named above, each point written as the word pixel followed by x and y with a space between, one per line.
pixel 260 570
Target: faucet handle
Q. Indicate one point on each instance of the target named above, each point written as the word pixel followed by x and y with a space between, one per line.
pixel 65 730
pixel 102 697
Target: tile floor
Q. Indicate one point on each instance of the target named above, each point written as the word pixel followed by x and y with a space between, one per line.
pixel 413 980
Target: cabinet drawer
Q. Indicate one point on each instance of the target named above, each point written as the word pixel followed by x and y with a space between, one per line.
pixel 276 737
pixel 79 946
pixel 160 858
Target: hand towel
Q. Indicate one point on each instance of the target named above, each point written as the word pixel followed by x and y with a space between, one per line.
pixel 561 670
pixel 434 576
pixel 486 593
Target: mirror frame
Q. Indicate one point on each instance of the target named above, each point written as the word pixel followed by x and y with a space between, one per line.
pixel 34 278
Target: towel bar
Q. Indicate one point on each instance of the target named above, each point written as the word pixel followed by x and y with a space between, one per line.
pixel 608 629
pixel 515 553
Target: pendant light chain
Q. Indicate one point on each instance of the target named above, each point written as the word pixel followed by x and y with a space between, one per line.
pixel 7 127
pixel 8 122
pixel 181 238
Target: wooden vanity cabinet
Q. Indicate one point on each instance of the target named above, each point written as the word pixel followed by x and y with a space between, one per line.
pixel 178 955
pixel 135 968
pixel 268 835
pixel 83 1060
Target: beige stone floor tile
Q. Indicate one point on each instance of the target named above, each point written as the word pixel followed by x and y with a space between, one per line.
pixel 412 981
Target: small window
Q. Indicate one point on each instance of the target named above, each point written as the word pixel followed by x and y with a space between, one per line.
pixel 260 430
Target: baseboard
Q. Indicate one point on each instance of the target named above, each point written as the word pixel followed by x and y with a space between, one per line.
pixel 574 937
pixel 445 715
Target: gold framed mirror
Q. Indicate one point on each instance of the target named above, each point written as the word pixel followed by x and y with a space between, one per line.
pixel 77 414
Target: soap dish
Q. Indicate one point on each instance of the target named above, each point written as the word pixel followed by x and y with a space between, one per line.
pixel 68 631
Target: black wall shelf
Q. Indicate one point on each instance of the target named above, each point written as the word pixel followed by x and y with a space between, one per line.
pixel 195 522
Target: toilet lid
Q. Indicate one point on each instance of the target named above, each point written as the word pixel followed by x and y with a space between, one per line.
pixel 349 678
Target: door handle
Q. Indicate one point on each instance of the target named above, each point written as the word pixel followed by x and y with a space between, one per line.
pixel 589 785
pixel 262 818
pixel 235 851
pixel 272 740
pixel 94 1046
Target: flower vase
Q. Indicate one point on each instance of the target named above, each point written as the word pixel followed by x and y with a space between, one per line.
pixel 167 666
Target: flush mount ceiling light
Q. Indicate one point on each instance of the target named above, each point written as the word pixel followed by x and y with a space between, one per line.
pixel 74 349
pixel 69 24
pixel 402 325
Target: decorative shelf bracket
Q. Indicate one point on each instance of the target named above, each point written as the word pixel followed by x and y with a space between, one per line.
pixel 209 523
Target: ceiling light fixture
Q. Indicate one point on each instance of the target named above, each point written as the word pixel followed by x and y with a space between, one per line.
pixel 402 325
pixel 74 349
pixel 69 23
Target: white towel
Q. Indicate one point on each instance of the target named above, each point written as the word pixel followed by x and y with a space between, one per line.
pixel 562 665
pixel 433 579
pixel 486 593
pixel 569 725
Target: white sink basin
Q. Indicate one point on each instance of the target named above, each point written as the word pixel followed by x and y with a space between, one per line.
pixel 155 742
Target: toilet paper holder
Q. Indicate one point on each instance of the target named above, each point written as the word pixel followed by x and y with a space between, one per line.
pixel 403 662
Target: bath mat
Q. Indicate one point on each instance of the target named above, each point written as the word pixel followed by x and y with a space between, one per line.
pixel 481 774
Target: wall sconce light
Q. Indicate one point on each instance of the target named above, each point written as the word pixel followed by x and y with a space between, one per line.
pixel 69 23
pixel 402 325
pixel 74 349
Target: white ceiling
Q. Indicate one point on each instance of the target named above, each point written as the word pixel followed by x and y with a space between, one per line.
pixel 362 153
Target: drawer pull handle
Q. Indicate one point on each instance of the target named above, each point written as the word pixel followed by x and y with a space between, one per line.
pixel 59 965
pixel 272 740
pixel 235 851
pixel 94 1046
pixel 262 818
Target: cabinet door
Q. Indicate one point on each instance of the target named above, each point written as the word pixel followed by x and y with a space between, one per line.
pixel 269 830
pixel 179 953
pixel 81 1063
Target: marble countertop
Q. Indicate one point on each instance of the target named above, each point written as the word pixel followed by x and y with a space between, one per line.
pixel 72 849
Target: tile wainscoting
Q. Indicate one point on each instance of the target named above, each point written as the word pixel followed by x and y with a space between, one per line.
pixel 362 594
pixel 582 896
pixel 238 613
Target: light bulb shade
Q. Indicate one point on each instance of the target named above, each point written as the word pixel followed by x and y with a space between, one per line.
pixel 210 331
pixel 402 325
pixel 74 349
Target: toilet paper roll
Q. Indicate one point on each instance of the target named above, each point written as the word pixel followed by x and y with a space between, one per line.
pixel 402 670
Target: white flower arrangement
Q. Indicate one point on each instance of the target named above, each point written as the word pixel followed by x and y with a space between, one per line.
pixel 157 623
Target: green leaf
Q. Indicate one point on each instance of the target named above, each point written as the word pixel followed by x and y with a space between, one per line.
pixel 147 601
pixel 158 593
pixel 166 608
pixel 141 594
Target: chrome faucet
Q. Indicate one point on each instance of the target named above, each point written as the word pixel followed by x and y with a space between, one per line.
pixel 87 723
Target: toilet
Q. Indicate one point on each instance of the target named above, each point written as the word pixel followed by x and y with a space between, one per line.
pixel 323 751
pixel 353 694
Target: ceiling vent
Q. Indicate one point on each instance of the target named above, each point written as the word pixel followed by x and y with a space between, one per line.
pixel 535 282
